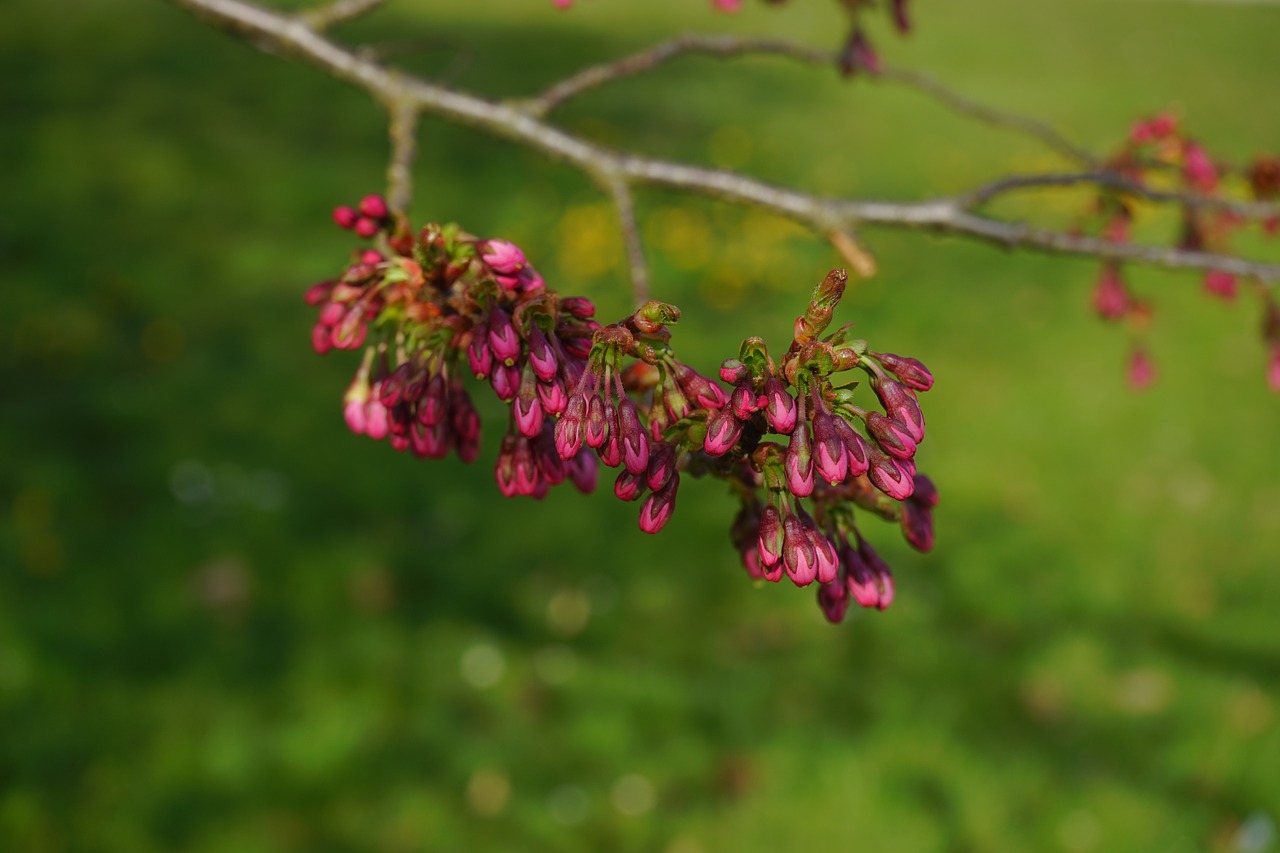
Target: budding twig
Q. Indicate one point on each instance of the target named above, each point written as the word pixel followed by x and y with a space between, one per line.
pixel 859 258
pixel 268 29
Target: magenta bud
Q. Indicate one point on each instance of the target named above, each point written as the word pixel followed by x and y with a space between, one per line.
pixel 597 424
pixel 635 440
pixel 331 313
pixel 908 371
pixel 733 371
pixel 1220 284
pixel 889 476
pixel 770 539
pixel 430 442
pixel 374 207
pixel 345 216
pixel 321 338
pixel 350 331
pixel 463 416
pixel 552 396
pixel 878 567
pixel 366 227
pixel 578 348
pixel 433 407
pixel 830 454
pixel 825 553
pixel 505 381
pixel 723 430
pixel 319 292
pixel 542 357
pixel 479 356
pixel 699 388
pixel 1111 299
pixel 526 410
pixel 390 391
pixel 797 552
pixel 377 424
pixel 504 470
pixel 833 598
pixel 583 470
pixel 526 468
pixel 399 442
pixel 628 486
pixel 353 413
pixel 744 401
pixel 553 468
pixel 502 336
pixel 917 525
pixel 859 456
pixel 569 429
pixel 611 451
pixel 662 465
pixel 780 407
pixel 504 257
pixel 658 507
pixel 900 405
pixel 926 493
pixel 371 257
pixel 861 582
pixel 799 462
pixel 578 306
pixel 891 435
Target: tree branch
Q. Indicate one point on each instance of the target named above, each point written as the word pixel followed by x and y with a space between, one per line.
pixel 639 269
pixel 337 12
pixel 823 215
pixel 403 130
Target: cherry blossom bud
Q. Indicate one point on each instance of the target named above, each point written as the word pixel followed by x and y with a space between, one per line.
pixel 570 427
pixel 504 257
pixel 662 465
pixel 502 336
pixel 635 441
pixel 526 469
pixel 830 455
pixel 321 338
pixel 889 476
pixel 582 470
pixel 917 525
pixel 366 227
pixel 859 456
pixel 908 371
pixel 526 410
pixel 770 539
pixel 1142 370
pixel 799 462
pixel 430 442
pixel 377 424
pixel 797 552
pixel 699 388
pixel 658 507
pixel 891 435
pixel 1198 168
pixel 505 468
pixel 319 292
pixel 479 356
pixel 1111 299
pixel 861 581
pixel 878 567
pixel 505 381
pixel 723 430
pixel 745 402
pixel 780 407
pixel 354 413
pixel 553 468
pixel 611 451
pixel 345 216
pixel 1221 284
pixel 825 554
pixel 833 598
pixel 732 371
pixel 374 207
pixel 578 306
pixel 552 396
pixel 900 405
pixel 542 357
pixel 597 425
pixel 628 486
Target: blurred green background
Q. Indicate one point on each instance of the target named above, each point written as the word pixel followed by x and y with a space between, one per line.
pixel 226 624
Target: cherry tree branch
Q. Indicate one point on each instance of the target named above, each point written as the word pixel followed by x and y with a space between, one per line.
pixel 337 12
pixel 518 123
pixel 403 130
pixel 639 269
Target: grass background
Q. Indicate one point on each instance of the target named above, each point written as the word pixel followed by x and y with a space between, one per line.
pixel 228 625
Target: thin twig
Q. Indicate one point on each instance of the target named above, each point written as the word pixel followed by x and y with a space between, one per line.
pixel 821 214
pixel 337 12
pixel 403 130
pixel 1118 182
pixel 639 269
pixel 849 248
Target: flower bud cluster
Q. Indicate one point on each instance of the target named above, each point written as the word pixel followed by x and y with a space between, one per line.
pixel 432 307
pixel 1157 152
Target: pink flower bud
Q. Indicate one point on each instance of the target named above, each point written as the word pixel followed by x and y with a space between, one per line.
pixel 1198 168
pixel 723 430
pixel 504 257
pixel 542 357
pixel 1142 370
pixel 861 581
pixel 901 405
pixel 578 306
pixel 431 442
pixel 770 539
pixel 553 397
pixel 350 331
pixel 321 338
pixel 479 356
pixel 569 429
pixel 744 401
pixel 825 554
pixel 732 371
pixel 597 432
pixel 1111 299
pixel 658 507
pixel 502 336
pixel 374 207
pixel 611 451
pixel 1219 283
pixel 889 476
pixel 526 469
pixel 399 442
pixel 527 412
pixel 908 371
pixel 699 388
pixel 859 457
pixel 377 424
pixel 891 435
pixel 582 471
pixel 917 525
pixel 833 598
pixel 354 414
pixel 797 552
pixel 505 381
pixel 628 486
pixel 463 416
pixel 662 465
pixel 345 216
pixel 366 227
pixel 780 407
pixel 830 455
pixel 799 462
pixel 553 468
pixel 319 292
pixel 504 470
pixel 635 441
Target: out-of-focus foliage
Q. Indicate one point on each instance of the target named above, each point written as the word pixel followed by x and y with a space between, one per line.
pixel 226 624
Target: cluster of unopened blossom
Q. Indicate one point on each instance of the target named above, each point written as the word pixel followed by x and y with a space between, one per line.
pixel 857 53
pixel 1158 153
pixel 430 308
